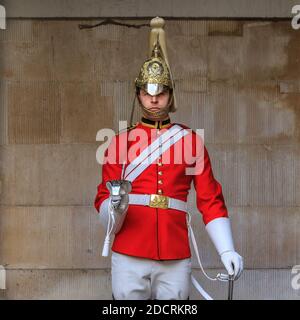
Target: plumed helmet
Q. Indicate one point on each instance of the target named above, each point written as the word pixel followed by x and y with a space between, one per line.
pixel 155 74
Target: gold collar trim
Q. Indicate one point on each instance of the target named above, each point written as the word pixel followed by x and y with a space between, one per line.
pixel 155 124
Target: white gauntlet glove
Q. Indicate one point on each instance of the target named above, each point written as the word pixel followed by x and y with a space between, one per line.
pixel 115 207
pixel 119 201
pixel 220 233
pixel 118 195
pixel 233 263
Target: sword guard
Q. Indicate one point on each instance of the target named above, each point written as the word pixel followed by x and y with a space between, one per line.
pixel 223 277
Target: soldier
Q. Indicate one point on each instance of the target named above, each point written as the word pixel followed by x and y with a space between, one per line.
pixel 146 200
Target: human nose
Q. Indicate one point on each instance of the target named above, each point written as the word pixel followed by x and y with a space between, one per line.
pixel 153 98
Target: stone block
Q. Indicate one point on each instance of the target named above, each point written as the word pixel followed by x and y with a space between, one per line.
pixel 26 60
pixel 27 30
pixel 33 112
pixel 51 237
pixel 257 175
pixel 64 284
pixel 49 174
pixel 188 56
pixel 117 60
pixel 238 114
pixel 265 237
pixel 73 52
pixel 261 54
pixel 251 114
pixel 84 112
pixel 254 284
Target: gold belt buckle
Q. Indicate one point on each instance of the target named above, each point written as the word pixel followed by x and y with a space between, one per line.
pixel 159 201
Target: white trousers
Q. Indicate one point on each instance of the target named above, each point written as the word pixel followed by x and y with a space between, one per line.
pixel 144 279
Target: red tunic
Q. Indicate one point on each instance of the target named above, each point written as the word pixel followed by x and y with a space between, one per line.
pixel 161 234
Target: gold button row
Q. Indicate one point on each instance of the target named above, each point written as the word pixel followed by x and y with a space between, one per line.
pixel 159 163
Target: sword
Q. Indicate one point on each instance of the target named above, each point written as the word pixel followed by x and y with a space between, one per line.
pixel 230 286
pixel 230 279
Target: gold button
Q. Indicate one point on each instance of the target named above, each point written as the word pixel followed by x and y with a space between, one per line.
pixel 160 173
pixel 160 182
pixel 159 191
pixel 159 163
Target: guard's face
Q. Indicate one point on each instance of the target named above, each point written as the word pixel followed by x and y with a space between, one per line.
pixel 154 103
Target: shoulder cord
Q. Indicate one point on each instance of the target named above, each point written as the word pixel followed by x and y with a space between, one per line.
pixel 220 276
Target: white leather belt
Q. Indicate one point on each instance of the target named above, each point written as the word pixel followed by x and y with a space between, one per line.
pixel 157 201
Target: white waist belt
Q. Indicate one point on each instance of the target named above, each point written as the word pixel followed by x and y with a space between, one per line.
pixel 157 201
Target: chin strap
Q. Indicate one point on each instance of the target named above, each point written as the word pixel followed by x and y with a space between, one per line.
pixel 156 114
pixel 132 111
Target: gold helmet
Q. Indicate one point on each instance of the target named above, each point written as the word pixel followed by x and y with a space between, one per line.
pixel 155 74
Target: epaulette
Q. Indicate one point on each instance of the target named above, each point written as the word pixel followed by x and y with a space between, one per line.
pixel 129 128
